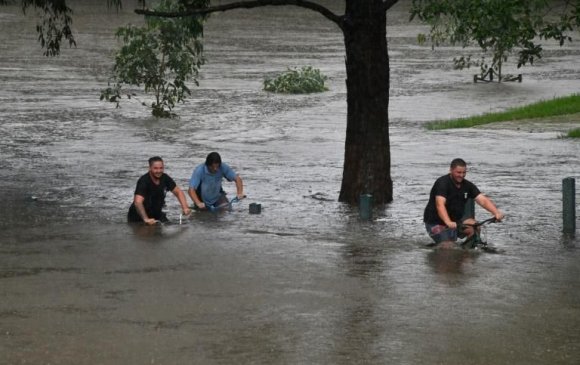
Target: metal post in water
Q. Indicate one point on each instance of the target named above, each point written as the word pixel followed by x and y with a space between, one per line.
pixel 366 207
pixel 569 205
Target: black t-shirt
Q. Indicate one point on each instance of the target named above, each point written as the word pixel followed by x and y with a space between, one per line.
pixel 455 199
pixel 153 194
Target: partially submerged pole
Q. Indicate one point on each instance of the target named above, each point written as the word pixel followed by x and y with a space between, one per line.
pixel 569 205
pixel 366 207
pixel 469 211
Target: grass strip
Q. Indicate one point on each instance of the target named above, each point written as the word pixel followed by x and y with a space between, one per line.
pixel 574 133
pixel 543 109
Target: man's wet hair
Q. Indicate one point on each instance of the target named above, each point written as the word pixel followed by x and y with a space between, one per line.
pixel 458 162
pixel 154 159
pixel 213 158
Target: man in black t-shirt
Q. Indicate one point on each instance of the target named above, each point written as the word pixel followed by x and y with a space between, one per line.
pixel 150 193
pixel 446 205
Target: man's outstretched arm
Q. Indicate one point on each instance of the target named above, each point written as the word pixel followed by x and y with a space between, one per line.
pixel 488 205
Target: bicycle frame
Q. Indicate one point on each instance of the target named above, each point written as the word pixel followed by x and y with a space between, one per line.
pixel 475 240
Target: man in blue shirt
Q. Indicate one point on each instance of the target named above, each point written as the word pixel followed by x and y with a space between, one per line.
pixel 205 185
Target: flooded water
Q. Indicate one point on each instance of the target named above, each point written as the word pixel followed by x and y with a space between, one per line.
pixel 305 282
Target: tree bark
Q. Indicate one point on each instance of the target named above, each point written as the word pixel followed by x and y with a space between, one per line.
pixel 367 158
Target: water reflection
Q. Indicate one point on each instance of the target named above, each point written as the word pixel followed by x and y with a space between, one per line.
pixel 448 261
pixel 157 231
pixel 363 258
pixel 358 337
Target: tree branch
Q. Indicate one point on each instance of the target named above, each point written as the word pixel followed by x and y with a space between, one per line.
pixel 247 5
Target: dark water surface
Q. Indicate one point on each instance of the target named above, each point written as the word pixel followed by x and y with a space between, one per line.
pixel 305 282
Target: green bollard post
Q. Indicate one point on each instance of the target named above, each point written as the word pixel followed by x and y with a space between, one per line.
pixel 469 210
pixel 569 205
pixel 366 207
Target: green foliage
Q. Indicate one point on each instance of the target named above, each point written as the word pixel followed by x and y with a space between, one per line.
pixel 161 56
pixel 55 21
pixel 543 109
pixel 574 133
pixel 54 25
pixel 498 27
pixel 293 81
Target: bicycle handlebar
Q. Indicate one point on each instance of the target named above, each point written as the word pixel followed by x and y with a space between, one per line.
pixel 477 224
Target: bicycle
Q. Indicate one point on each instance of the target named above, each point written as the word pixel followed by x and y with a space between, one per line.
pixel 476 241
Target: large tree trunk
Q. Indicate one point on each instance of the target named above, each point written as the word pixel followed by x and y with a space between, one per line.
pixel 367 158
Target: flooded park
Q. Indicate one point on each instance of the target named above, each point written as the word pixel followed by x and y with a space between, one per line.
pixel 306 281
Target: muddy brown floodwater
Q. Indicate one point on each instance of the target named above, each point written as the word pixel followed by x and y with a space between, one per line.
pixel 305 282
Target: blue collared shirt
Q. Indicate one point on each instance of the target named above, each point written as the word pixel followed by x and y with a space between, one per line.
pixel 211 184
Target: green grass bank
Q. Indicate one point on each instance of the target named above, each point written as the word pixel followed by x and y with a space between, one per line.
pixel 544 109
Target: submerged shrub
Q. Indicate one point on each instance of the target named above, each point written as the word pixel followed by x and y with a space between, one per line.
pixel 303 81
